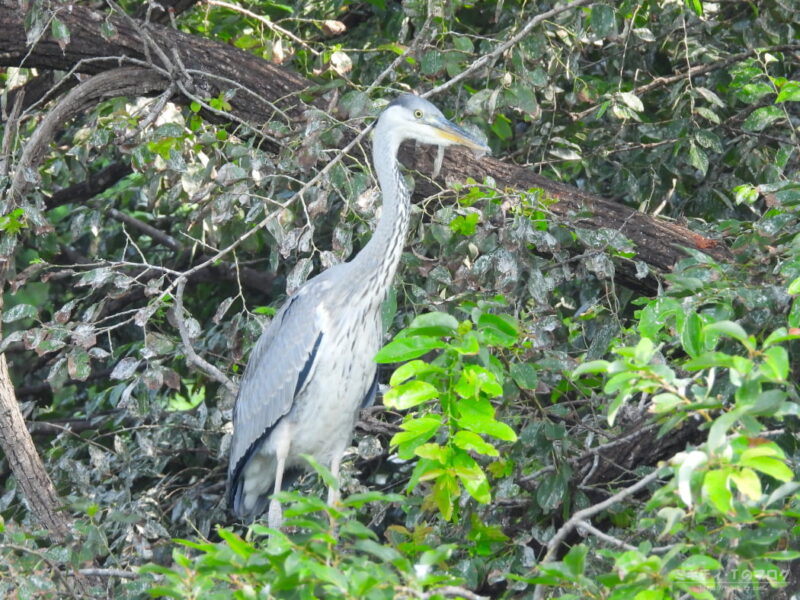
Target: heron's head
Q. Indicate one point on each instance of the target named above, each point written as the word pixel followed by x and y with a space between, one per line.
pixel 410 117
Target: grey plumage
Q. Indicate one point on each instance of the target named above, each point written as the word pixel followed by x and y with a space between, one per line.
pixel 312 368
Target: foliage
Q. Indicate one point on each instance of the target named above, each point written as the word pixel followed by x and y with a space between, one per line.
pixel 535 382
pixel 464 392
pixel 336 556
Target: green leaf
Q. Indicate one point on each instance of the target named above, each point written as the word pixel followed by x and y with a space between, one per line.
pixel 472 477
pixel 698 158
pixel 433 324
pixel 60 31
pixel 475 380
pixel 794 287
pixel 715 488
pixel 731 329
pixel 78 364
pixel 644 351
pixel 745 194
pixel 631 100
pixel 708 139
pixel 235 543
pixel 411 369
pixel 700 562
pixel 762 118
pixel 445 491
pixel 474 416
pixel 717 434
pixel 748 483
pixel 434 453
pixel 782 555
pixel 465 224
pixel 575 559
pixel 790 92
pixel 498 330
pixel 409 394
pixel 468 440
pixel 696 6
pixel 593 366
pixel 469 345
pixel 776 364
pixel 402 349
pixel 502 127
pixel 19 312
pixel 524 375
pixel 766 449
pixel 416 431
pixel 691 461
pixel 603 20
pixel 552 490
pixel 672 516
pixel 780 335
pixel 708 114
pixel 463 43
pixel 769 466
pixel 665 402
pixel 692 338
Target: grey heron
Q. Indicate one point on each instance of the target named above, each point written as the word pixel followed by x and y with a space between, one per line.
pixel 312 369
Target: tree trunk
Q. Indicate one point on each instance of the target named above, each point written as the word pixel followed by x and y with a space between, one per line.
pixel 24 460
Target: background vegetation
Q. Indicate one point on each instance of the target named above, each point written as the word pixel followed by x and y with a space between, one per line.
pixel 549 428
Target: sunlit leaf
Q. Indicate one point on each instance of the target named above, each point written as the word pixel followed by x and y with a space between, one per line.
pixel 409 394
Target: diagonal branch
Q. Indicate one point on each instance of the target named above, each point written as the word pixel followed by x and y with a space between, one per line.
pixel 191 355
pixel 580 516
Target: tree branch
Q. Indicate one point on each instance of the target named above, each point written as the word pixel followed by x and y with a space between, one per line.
pixel 191 356
pixel 581 515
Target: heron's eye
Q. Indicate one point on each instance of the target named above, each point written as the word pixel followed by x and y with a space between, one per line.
pixel 418 114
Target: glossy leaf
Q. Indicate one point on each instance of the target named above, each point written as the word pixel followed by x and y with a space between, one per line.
pixel 409 394
pixel 402 349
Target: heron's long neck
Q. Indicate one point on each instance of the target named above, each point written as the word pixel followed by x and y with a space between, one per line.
pixel 378 260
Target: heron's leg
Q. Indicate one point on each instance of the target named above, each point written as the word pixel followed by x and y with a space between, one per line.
pixel 282 438
pixel 333 492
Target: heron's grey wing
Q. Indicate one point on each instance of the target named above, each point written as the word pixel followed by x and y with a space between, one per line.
pixel 372 392
pixel 279 366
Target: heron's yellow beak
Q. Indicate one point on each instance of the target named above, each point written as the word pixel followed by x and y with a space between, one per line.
pixel 455 135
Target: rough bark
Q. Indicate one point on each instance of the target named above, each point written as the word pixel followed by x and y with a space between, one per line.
pixel 24 460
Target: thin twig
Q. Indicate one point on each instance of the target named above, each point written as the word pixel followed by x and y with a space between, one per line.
pixel 266 21
pixel 586 513
pixel 610 539
pixel 59 574
pixel 659 82
pixel 109 573
pixel 159 236
pixel 156 109
pixel 191 356
pixel 591 452
pixel 513 40
pixel 409 49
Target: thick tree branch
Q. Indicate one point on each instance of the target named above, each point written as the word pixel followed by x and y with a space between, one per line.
pixel 95 184
pixel 118 82
pixel 264 91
